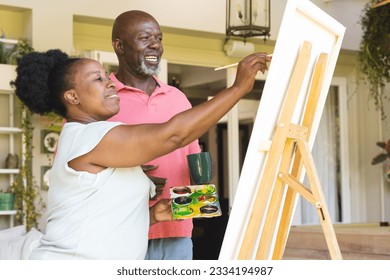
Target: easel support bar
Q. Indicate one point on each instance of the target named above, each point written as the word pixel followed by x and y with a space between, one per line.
pixel 322 209
pixel 298 187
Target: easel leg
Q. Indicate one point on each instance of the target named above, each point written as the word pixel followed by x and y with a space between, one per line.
pixel 322 209
pixel 271 219
pixel 291 194
pixel 265 187
pixel 282 235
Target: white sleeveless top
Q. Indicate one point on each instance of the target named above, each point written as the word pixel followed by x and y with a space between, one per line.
pixel 94 216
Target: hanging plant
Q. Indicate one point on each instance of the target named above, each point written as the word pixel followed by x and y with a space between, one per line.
pixel 374 52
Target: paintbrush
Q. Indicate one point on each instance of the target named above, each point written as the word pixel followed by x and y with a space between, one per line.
pixel 233 64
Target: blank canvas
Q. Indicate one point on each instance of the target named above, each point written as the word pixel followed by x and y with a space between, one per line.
pixel 302 21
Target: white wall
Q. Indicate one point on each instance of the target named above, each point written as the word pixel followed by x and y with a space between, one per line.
pixel 348 13
pixel 185 14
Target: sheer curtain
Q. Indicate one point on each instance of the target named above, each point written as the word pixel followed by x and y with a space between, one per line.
pixel 325 153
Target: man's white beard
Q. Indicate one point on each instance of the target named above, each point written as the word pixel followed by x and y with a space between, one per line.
pixel 147 71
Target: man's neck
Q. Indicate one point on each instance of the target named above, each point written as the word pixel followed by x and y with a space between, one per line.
pixel 146 84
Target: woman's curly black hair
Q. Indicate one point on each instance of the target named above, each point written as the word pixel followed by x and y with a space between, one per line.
pixel 41 79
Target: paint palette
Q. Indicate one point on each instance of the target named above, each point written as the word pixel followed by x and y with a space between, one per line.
pixel 196 201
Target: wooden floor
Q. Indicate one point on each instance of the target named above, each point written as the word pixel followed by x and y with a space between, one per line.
pixel 356 242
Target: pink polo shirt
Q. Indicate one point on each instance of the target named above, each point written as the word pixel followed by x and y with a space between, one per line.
pixel 137 107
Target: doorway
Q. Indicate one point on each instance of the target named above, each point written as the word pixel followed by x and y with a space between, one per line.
pixel 198 84
pixel 331 156
pixel 208 234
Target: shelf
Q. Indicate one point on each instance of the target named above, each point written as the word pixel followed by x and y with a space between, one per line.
pixel 9 41
pixel 6 130
pixel 9 171
pixel 7 212
pixel 6 91
pixel 11 214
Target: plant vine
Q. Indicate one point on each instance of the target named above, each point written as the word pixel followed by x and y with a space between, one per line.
pixel 27 192
pixel 374 52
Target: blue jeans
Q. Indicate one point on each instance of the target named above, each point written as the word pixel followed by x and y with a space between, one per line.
pixel 178 248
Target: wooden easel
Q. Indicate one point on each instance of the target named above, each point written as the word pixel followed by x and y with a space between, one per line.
pixel 288 154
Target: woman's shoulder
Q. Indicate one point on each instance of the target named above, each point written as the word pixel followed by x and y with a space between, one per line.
pixel 77 138
pixel 89 126
pixel 90 131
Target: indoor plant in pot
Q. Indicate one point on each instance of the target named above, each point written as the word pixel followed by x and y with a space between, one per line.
pixel 383 156
pixel 7 200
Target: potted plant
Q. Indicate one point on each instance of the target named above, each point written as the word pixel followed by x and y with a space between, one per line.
pixel 11 50
pixel 383 156
pixel 374 52
pixel 7 200
pixel 3 56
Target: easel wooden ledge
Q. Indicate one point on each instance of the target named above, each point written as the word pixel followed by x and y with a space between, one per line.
pixel 288 153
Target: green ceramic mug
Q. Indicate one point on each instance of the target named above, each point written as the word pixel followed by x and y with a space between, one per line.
pixel 201 168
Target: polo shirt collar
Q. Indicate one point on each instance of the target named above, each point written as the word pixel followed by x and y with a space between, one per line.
pixel 160 88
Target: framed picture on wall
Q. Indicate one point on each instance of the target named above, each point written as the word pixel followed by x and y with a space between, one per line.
pixel 49 141
pixel 45 171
